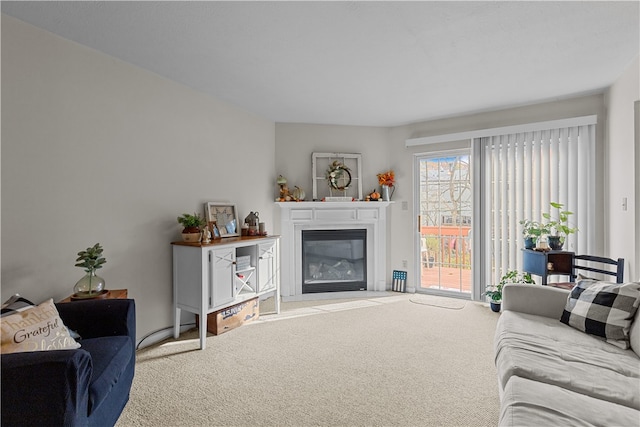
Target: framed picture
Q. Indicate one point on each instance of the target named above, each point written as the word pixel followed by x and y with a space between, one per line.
pixel 213 229
pixel 222 219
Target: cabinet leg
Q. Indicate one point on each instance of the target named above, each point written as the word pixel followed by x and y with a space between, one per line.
pixel 176 323
pixel 203 330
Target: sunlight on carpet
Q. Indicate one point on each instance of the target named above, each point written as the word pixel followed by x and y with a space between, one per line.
pixel 442 302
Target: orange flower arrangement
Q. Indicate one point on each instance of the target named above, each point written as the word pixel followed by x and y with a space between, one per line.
pixel 387 178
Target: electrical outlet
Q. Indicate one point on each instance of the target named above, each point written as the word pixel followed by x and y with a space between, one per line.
pixel 405 205
pixel 404 263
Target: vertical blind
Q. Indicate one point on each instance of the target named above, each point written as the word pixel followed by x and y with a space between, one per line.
pixel 523 173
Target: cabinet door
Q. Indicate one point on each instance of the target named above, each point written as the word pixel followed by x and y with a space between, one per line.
pixel 222 263
pixel 266 266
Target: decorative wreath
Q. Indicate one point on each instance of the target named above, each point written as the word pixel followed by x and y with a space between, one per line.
pixel 338 171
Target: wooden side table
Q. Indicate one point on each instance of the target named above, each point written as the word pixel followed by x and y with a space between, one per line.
pixel 112 294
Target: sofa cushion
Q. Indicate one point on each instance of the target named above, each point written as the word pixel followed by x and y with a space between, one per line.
pixel 531 403
pixel 634 334
pixel 543 349
pixel 603 309
pixel 36 328
pixel 110 357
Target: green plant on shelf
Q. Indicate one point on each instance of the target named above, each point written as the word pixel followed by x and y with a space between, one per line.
pixel 192 223
pixel 558 224
pixel 533 229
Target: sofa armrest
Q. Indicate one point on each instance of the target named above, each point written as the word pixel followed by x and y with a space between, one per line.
pixel 100 317
pixel 45 387
pixel 544 301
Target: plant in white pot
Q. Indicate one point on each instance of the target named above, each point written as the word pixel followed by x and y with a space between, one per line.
pixel 495 293
pixel 192 226
pixel 91 285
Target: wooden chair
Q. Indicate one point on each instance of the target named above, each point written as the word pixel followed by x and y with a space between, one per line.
pixel 580 261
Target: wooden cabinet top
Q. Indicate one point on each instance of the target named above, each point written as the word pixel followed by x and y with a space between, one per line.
pixel 227 241
pixel 111 294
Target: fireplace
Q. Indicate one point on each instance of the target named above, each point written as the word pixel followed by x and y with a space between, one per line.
pixel 334 260
pixel 363 265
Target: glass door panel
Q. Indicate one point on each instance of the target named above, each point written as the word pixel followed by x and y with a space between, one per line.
pixel 445 223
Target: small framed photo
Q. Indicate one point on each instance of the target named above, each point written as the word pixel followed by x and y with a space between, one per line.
pixel 213 229
pixel 224 217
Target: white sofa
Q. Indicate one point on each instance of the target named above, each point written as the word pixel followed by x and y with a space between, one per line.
pixel 551 374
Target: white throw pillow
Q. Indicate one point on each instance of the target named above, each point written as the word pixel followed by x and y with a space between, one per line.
pixel 37 328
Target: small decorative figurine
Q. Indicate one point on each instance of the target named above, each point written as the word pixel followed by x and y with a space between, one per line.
pixel 252 221
pixel 284 189
pixel 206 235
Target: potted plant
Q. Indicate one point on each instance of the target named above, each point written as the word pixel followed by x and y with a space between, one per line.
pixel 531 231
pixel 495 293
pixel 91 285
pixel 192 226
pixel 558 226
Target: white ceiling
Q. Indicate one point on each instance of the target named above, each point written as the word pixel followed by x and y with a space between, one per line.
pixel 380 63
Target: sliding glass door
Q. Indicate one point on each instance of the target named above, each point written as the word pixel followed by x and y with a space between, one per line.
pixel 517 173
pixel 444 182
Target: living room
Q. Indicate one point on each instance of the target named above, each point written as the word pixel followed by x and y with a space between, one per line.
pixel 109 152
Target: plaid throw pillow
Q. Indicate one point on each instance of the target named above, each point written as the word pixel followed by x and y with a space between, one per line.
pixel 603 309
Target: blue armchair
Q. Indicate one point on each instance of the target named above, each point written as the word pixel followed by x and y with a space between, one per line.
pixel 88 386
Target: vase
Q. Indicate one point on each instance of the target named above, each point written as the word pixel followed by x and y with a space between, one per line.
pixel 556 242
pixel 90 286
pixel 529 242
pixel 387 191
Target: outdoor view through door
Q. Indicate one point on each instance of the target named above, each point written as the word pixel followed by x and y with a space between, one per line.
pixel 445 223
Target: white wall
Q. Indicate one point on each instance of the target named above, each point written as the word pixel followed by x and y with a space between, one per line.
pixel 97 150
pixel 296 142
pixel 622 162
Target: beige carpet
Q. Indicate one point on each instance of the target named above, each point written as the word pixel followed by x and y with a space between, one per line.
pixel 443 302
pixel 372 362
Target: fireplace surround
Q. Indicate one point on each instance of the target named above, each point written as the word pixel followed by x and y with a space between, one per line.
pixel 296 217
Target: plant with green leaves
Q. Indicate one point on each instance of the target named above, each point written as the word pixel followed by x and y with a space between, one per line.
pixel 91 259
pixel 558 224
pixel 194 221
pixel 514 276
pixel 511 276
pixel 533 228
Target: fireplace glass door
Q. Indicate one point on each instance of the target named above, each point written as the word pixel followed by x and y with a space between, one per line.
pixel 334 260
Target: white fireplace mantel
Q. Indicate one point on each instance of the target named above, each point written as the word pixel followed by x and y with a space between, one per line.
pixel 298 216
